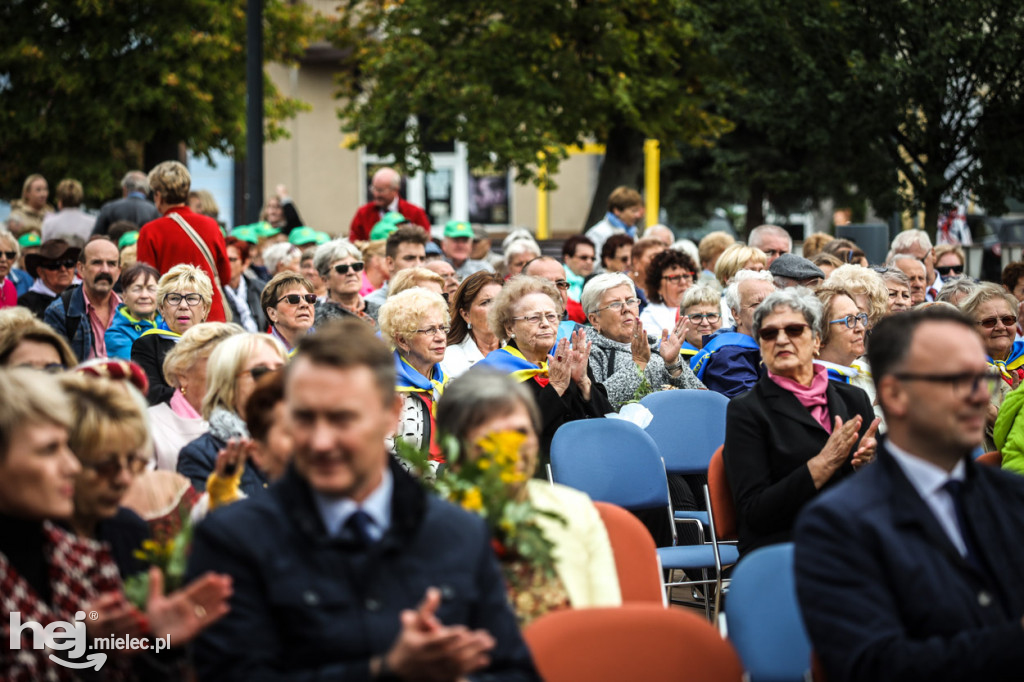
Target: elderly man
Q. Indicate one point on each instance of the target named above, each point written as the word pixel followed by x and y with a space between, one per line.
pixel 69 219
pixel 53 271
pixel 83 314
pixel 916 272
pixel 790 270
pixel 625 209
pixel 771 239
pixel 404 249
pixel 384 187
pixel 918 244
pixel 446 272
pixel 356 573
pixel 662 233
pixel 457 245
pixel 730 361
pixel 910 569
pixel 133 205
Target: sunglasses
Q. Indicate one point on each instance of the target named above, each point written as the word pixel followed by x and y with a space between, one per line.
pixel 296 299
pixel 793 331
pixel 57 265
pixel 342 268
pixel 990 322
pixel 9 255
pixel 946 270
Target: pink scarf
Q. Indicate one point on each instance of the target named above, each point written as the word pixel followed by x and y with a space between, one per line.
pixel 181 407
pixel 812 397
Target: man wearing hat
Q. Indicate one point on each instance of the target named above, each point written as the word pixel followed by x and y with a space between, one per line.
pixel 52 271
pixel 384 188
pixel 791 270
pixel 457 246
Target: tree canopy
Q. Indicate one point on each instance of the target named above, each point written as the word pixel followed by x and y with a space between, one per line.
pixel 87 85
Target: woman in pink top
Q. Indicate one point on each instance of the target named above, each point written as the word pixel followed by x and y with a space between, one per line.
pixel 8 257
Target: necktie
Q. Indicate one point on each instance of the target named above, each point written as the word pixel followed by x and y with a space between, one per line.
pixel 357 529
pixel 955 489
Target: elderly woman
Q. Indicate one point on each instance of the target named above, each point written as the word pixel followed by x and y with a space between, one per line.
pixel 702 307
pixel 340 263
pixel 183 298
pixel 623 355
pixel 898 286
pixel 50 573
pixel 739 257
pixel 525 317
pixel 137 313
pixel 179 421
pixel 34 344
pixel 28 212
pixel 421 277
pixel 470 339
pixel 844 329
pixel 669 275
pixel 867 288
pixel 518 253
pixel 994 312
pixel 9 252
pixel 949 261
pixel 234 367
pixel 956 289
pixel 795 432
pixel 483 403
pixel 282 257
pixel 415 325
pixel 290 304
pixel 242 291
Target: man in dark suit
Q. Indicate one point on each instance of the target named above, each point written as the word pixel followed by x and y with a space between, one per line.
pixel 912 569
pixel 355 573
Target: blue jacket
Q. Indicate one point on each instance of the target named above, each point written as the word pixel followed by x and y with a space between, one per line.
pixel 21 280
pixel 308 606
pixel 66 314
pixel 198 459
pixel 729 363
pixel 124 330
pixel 885 594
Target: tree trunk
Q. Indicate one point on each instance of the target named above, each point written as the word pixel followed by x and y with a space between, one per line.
pixel 755 205
pixel 623 164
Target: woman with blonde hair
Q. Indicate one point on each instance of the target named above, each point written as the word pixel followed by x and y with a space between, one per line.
pixel 31 343
pixel 415 325
pixel 867 289
pixel 27 213
pixel 234 366
pixel 739 257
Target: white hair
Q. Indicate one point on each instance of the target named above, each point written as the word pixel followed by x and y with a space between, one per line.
pixel 516 235
pixel 334 250
pixel 689 248
pixel 763 231
pixel 595 289
pixel 520 246
pixel 732 292
pixel 279 253
pixel 390 175
pixel 907 240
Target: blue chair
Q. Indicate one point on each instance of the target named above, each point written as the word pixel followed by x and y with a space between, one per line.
pixel 763 617
pixel 616 461
pixel 688 427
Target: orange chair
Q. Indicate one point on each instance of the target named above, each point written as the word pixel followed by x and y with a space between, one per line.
pixel 632 642
pixel 636 555
pixel 721 498
pixel 992 459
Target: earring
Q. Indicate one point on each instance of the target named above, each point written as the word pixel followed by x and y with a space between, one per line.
pixel 469 325
pixel 512 335
pixel 183 390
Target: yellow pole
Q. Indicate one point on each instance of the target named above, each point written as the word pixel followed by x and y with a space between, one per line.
pixel 542 199
pixel 652 184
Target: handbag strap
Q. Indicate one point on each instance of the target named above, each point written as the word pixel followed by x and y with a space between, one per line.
pixel 204 249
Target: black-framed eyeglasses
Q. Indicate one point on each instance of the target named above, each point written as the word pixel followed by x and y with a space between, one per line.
pixel 851 320
pixel 991 322
pixel 959 382
pixel 109 468
pixel 793 331
pixel 9 255
pixel 619 306
pixel 947 270
pixel 296 299
pixel 68 264
pixel 585 257
pixel 681 277
pixel 342 268
pixel 434 331
pixel 192 300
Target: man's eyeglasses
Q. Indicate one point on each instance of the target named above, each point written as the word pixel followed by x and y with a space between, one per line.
pixel 619 306
pixel 991 322
pixel 342 268
pixel 433 331
pixel 296 299
pixel 851 320
pixel 585 257
pixel 110 468
pixel 192 300
pixel 535 319
pixel 9 255
pixel 964 384
pixel 793 331
pixel 561 284
pixel 698 318
pixel 947 270
pixel 58 264
pixel 676 279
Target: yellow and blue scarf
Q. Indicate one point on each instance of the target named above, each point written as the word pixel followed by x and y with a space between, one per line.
pixel 409 380
pixel 509 360
pixel 1013 363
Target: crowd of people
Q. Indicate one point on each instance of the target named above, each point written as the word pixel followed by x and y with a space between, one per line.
pixel 256 394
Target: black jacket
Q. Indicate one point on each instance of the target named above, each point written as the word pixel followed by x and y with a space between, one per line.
pixel 36 302
pixel 198 459
pixel 769 436
pixel 307 606
pixel 149 351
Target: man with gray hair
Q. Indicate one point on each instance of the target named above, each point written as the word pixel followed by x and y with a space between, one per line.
pixel 918 244
pixel 133 205
pixel 771 239
pixel 916 272
pixel 730 361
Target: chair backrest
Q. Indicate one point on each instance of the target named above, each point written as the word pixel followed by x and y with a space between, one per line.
pixel 636 556
pixel 722 503
pixel 632 642
pixel 687 426
pixel 992 459
pixel 612 461
pixel 763 617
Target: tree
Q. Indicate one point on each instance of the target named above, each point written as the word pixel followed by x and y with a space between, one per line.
pixel 86 86
pixel 515 80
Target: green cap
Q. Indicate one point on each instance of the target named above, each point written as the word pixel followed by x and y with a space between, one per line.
pixel 127 239
pixel 245 233
pixel 382 229
pixel 457 228
pixel 395 218
pixel 265 229
pixel 322 237
pixel 303 236
pixel 29 239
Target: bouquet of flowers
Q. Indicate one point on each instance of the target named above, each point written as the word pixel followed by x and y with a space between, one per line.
pixel 169 555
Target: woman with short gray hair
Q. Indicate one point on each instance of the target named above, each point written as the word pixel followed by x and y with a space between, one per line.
pixel 795 432
pixel 340 265
pixel 956 289
pixel 623 356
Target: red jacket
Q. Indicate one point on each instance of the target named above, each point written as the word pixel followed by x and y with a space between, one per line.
pixel 163 244
pixel 369 215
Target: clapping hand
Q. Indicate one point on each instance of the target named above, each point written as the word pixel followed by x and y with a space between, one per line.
pixel 868 444
pixel 672 341
pixel 560 367
pixel 641 349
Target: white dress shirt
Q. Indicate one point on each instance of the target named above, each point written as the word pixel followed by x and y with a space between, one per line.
pixel 928 480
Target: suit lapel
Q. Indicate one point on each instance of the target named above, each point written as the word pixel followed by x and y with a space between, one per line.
pixel 786 404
